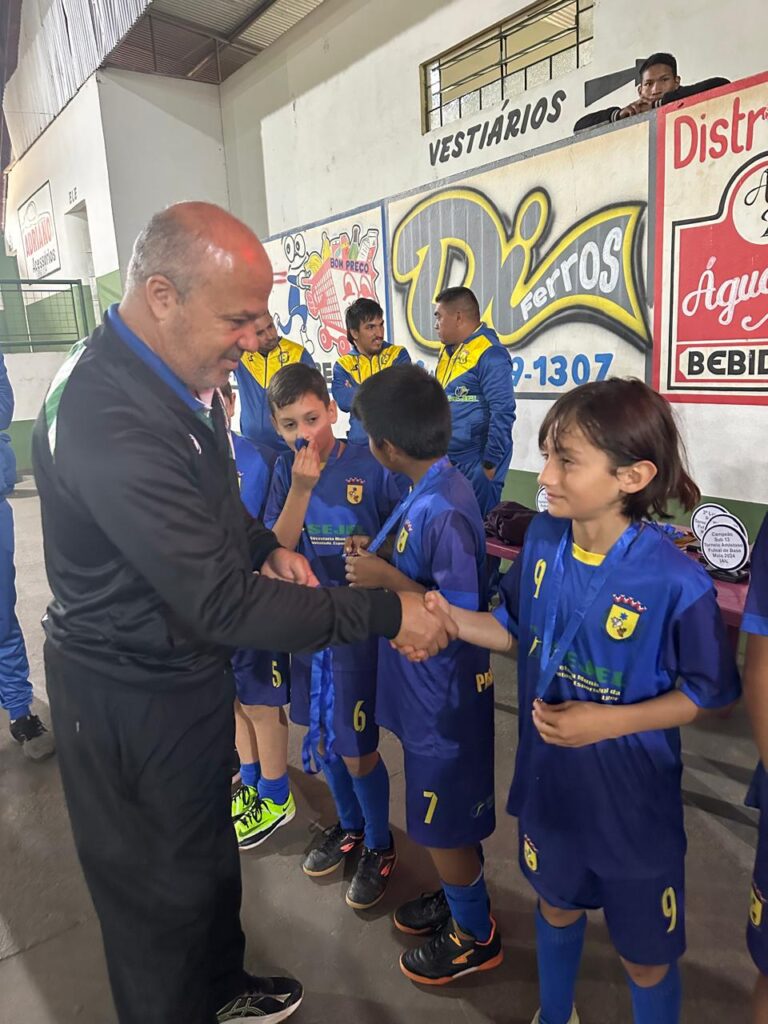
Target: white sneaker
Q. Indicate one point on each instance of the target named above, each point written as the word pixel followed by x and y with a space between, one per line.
pixel 573 1019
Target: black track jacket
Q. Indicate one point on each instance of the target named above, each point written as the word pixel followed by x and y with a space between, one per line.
pixel 148 548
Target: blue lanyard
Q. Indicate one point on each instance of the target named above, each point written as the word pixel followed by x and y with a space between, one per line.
pixel 399 513
pixel 553 653
pixel 322 697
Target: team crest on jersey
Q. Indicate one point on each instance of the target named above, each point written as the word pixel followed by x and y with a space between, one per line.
pixel 402 539
pixel 355 490
pixel 623 617
pixel 756 904
pixel 531 854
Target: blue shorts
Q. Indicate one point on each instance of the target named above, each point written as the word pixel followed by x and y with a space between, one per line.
pixel 354 722
pixel 449 802
pixel 262 678
pixel 645 916
pixel 487 492
pixel 757 926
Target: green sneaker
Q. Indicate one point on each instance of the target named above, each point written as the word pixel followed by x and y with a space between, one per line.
pixel 243 798
pixel 261 820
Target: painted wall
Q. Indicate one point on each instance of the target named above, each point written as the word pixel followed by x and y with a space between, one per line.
pixel 164 143
pixel 71 155
pixel 30 374
pixel 329 117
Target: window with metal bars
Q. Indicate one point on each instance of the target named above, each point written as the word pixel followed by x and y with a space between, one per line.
pixel 542 42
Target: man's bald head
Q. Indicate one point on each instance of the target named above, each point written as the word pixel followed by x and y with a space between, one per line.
pixel 186 242
pixel 198 284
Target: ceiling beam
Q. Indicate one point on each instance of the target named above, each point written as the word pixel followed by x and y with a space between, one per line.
pixel 201 30
pixel 260 9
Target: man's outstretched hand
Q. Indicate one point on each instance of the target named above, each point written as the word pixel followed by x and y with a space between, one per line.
pixel 423 633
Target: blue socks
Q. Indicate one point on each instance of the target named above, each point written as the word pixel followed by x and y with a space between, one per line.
pixel 250 774
pixel 659 1004
pixel 559 955
pixel 372 791
pixel 469 907
pixel 276 790
pixel 340 784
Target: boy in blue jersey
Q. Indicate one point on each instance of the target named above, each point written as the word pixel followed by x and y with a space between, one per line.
pixel 323 491
pixel 256 370
pixel 442 709
pixel 755 623
pixel 620 642
pixel 263 801
pixel 371 354
pixel 475 371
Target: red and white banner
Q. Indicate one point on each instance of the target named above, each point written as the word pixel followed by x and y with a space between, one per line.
pixel 39 247
pixel 711 303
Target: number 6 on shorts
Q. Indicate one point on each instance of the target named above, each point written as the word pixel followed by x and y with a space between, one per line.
pixel 432 797
pixel 359 718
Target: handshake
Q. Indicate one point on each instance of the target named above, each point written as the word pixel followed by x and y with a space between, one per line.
pixel 427 626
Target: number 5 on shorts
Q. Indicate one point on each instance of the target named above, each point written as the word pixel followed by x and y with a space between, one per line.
pixel 669 907
pixel 359 717
pixel 432 797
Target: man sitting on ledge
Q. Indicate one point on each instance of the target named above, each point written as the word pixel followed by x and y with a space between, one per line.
pixel 659 83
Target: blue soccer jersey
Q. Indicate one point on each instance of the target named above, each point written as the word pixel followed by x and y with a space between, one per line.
pixel 755 621
pixel 442 709
pixel 354 495
pixel 261 677
pixel 653 623
pixel 253 375
pixel 254 464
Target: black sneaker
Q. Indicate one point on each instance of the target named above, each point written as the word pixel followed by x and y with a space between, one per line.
pixel 423 916
pixel 370 880
pixel 447 956
pixel 335 846
pixel 37 743
pixel 267 1000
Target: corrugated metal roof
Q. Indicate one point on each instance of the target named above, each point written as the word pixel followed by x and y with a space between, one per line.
pixel 221 17
pixel 205 40
pixel 277 20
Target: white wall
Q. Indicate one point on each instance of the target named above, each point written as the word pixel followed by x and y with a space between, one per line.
pixel 328 118
pixel 71 155
pixel 164 144
pixel 30 375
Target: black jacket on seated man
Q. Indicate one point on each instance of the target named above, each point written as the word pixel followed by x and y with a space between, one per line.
pixel 659 84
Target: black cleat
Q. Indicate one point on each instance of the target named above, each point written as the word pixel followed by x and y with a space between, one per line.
pixel 37 743
pixel 337 843
pixel 371 877
pixel 267 1000
pixel 448 956
pixel 423 916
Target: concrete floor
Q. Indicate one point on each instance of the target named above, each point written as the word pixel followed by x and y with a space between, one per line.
pixel 51 963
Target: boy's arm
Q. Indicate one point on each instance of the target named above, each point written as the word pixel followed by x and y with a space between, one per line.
pixel 372 572
pixel 756 690
pixel 343 387
pixel 581 722
pixel 478 628
pixel 289 514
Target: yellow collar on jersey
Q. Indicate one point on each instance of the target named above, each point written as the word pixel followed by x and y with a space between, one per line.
pixel 587 557
pixel 360 367
pixel 263 368
pixel 465 356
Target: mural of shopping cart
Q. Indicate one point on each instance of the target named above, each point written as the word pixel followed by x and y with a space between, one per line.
pixel 335 282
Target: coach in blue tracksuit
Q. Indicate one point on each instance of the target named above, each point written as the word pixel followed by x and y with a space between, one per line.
pixel 15 687
pixel 474 370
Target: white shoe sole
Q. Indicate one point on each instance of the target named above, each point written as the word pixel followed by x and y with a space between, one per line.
pixel 271 1018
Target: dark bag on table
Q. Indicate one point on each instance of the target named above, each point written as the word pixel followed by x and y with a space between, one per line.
pixel 508 522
